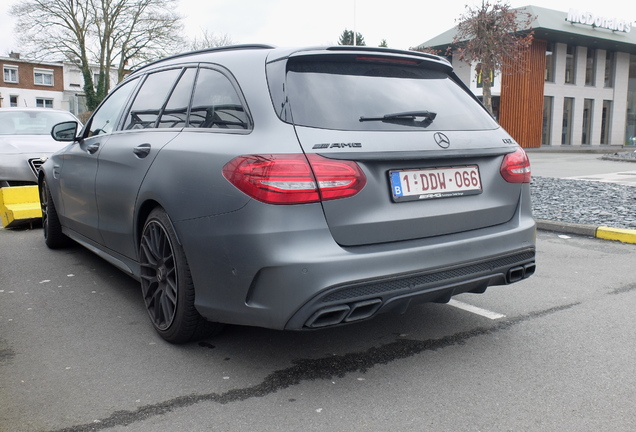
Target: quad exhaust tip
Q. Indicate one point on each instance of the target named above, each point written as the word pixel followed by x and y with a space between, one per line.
pixel 344 313
pixel 357 311
pixel 516 274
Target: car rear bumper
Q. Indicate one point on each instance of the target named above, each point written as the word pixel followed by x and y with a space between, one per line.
pixel 395 293
pixel 290 274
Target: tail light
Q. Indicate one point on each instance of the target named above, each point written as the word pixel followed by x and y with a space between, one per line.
pixel 294 178
pixel 515 167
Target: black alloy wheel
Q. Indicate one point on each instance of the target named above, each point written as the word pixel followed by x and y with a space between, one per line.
pixel 51 226
pixel 166 283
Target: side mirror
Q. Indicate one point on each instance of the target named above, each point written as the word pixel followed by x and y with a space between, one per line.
pixel 66 131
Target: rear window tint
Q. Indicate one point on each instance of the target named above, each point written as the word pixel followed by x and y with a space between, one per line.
pixel 335 95
pixel 216 103
pixel 151 99
pixel 175 113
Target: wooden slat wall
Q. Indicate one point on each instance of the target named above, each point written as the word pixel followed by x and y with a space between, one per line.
pixel 521 104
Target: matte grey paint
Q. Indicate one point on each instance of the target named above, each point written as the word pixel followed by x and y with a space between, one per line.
pixel 268 265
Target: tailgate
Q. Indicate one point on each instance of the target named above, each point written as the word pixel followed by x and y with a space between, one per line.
pixel 437 206
pixel 413 128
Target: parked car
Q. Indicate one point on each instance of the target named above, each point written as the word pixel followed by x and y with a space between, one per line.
pixel 25 139
pixel 292 188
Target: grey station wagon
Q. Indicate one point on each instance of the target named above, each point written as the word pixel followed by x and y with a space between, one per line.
pixel 292 188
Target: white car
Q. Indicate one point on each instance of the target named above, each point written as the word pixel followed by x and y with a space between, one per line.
pixel 25 137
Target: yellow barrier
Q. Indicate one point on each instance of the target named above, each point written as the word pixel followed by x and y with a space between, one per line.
pixel 620 234
pixel 19 204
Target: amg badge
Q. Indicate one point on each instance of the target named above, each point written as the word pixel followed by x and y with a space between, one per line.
pixel 337 145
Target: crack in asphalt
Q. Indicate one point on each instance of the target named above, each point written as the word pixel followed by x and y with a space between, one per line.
pixel 308 370
pixel 624 289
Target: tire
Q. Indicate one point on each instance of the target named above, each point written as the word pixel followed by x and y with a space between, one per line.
pixel 51 226
pixel 166 283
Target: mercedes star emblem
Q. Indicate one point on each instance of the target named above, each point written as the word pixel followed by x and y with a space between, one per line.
pixel 441 140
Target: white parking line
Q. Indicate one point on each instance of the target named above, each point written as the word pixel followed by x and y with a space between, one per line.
pixel 476 310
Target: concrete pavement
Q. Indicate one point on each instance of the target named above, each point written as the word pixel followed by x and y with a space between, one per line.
pixel 584 164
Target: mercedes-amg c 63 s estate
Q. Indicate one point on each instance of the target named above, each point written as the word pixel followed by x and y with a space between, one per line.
pixel 292 188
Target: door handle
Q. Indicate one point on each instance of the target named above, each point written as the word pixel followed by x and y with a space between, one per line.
pixel 142 150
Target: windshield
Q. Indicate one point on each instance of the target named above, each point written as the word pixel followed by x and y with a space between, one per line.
pixel 346 95
pixel 26 122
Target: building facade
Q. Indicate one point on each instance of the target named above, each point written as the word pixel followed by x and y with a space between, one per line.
pixel 579 84
pixel 26 83
pixel 31 84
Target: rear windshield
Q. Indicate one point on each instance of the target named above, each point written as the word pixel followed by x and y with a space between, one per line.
pixel 358 95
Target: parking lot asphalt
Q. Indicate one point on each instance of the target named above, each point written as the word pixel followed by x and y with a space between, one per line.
pixel 584 164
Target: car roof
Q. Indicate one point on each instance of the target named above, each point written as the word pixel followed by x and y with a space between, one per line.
pixel 278 53
pixel 204 51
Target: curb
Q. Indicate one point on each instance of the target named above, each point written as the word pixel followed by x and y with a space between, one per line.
pixel 600 232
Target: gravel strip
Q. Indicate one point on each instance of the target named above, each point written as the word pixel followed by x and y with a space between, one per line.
pixel 584 202
pixel 627 156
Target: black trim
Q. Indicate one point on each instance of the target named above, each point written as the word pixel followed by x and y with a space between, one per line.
pixel 205 51
pixel 396 292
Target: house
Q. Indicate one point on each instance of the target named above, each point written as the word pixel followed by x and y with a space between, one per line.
pixel 60 85
pixel 31 84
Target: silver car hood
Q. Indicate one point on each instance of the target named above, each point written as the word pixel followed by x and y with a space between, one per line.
pixel 28 144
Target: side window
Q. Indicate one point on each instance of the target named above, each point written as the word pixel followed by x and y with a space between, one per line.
pixel 216 104
pixel 105 118
pixel 176 111
pixel 150 99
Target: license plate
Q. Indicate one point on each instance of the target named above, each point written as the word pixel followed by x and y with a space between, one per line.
pixel 430 183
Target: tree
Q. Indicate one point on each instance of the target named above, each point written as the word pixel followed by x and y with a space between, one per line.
pixel 346 38
pixel 100 32
pixel 492 36
pixel 426 50
pixel 383 44
pixel 209 39
pixel 143 30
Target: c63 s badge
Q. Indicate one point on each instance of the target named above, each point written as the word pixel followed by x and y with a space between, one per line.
pixel 337 145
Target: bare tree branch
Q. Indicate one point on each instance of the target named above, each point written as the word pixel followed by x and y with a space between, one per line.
pixel 209 39
pixel 99 32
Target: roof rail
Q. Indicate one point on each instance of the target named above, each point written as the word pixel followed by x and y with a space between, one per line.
pixel 208 50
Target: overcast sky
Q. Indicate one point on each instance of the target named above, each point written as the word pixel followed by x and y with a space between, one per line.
pixel 403 23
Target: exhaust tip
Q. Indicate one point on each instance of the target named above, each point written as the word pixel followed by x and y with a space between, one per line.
pixel 515 274
pixel 334 315
pixel 362 310
pixel 528 270
pixel 328 316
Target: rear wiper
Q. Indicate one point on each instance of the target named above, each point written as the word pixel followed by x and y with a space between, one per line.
pixel 429 116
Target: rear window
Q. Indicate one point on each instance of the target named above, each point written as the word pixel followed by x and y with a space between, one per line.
pixel 336 95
